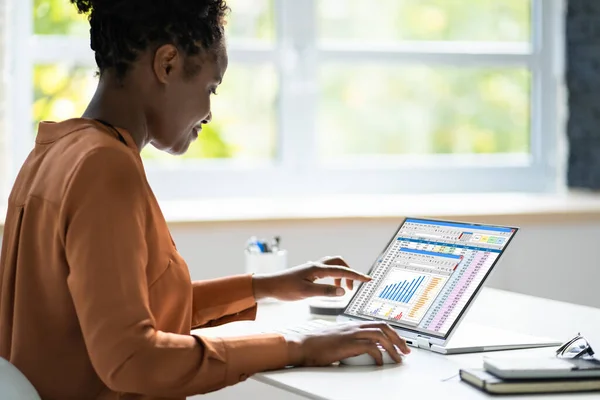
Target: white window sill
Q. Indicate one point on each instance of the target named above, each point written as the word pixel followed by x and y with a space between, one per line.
pixel 507 208
pixel 501 208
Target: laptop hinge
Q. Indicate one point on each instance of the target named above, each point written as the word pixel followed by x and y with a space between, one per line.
pixel 423 343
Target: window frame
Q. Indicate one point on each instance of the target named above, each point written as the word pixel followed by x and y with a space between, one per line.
pixel 297 170
pixel 5 161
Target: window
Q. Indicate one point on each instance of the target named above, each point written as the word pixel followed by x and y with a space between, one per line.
pixel 4 153
pixel 333 96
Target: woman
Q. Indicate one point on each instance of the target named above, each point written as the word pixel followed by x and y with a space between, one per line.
pixel 96 302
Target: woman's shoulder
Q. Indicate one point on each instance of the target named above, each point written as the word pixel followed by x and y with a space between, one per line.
pixel 101 171
pixel 83 136
pixel 90 154
pixel 82 144
pixel 79 152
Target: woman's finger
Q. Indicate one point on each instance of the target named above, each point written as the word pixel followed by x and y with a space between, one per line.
pixel 321 289
pixel 349 284
pixel 390 333
pixel 378 336
pixel 320 271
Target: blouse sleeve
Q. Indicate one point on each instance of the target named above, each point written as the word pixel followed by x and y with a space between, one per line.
pixel 223 300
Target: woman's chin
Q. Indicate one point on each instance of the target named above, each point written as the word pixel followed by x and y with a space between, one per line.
pixel 179 146
pixel 176 149
pixel 179 149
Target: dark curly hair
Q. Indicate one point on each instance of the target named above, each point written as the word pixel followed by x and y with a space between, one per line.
pixel 121 29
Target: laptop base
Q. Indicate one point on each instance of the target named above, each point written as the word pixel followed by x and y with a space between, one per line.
pixel 474 338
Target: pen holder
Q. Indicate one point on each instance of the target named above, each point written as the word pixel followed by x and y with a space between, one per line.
pixel 263 263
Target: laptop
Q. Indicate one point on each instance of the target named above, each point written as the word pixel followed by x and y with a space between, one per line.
pixel 425 280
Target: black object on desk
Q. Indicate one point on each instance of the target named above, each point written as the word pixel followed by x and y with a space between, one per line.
pixel 327 306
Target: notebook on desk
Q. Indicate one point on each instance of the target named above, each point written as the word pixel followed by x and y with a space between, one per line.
pixel 492 384
pixel 426 278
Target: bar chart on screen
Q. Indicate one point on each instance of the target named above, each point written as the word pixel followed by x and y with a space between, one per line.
pixel 386 311
pixel 403 291
pixel 405 295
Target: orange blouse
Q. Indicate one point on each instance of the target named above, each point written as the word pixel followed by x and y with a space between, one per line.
pixel 95 301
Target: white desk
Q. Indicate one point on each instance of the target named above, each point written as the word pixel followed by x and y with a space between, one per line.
pixel 424 374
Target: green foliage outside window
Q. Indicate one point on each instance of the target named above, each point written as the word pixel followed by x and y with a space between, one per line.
pixel 62 91
pixel 363 109
pixel 58 17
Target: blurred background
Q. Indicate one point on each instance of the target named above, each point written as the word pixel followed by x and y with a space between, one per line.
pixel 332 96
pixel 337 118
pixel 363 106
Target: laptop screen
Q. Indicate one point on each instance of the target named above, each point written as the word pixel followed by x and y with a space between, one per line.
pixel 428 274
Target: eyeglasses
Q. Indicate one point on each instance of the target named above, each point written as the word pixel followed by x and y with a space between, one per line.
pixel 578 347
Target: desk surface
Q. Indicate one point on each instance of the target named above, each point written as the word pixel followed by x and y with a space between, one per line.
pixel 425 372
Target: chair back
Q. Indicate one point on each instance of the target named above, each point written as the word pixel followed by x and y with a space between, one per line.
pixel 14 385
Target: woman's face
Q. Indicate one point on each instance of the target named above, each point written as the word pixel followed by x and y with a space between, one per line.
pixel 182 103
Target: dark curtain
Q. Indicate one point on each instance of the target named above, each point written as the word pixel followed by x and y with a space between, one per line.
pixel 583 85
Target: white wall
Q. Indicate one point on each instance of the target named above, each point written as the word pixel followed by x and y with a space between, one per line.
pixel 558 261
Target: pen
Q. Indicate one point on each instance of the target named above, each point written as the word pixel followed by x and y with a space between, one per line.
pixel 275 242
pixel 255 245
pixel 261 246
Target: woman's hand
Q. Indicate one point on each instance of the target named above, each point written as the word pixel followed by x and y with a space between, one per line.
pixel 299 282
pixel 332 344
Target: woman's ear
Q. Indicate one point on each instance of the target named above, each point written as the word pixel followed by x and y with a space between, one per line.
pixel 166 58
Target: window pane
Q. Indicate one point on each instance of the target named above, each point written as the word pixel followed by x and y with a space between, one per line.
pixel 244 121
pixel 61 91
pixel 248 19
pixel 251 19
pixel 375 110
pixel 58 17
pixel 438 20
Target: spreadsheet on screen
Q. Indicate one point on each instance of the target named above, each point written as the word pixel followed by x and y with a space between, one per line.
pixel 428 273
